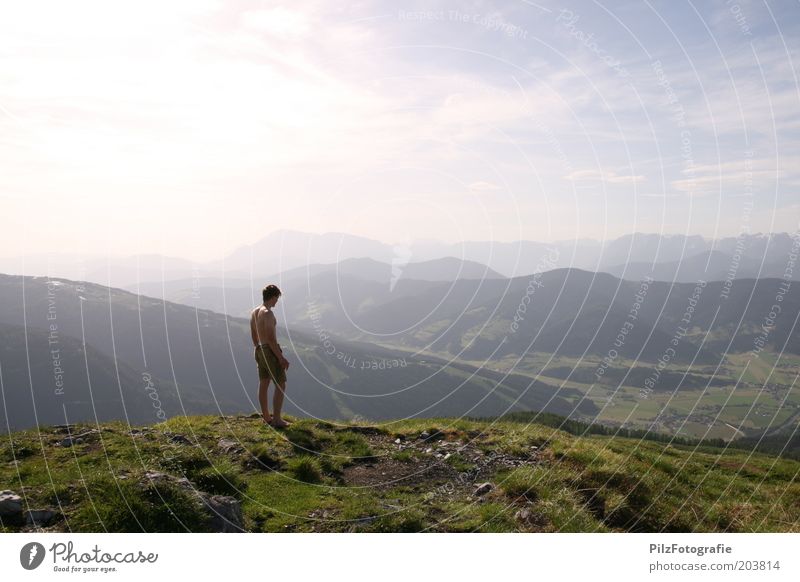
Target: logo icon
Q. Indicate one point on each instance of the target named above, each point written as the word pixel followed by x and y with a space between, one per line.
pixel 31 555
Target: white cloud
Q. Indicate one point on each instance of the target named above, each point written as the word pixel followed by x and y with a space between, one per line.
pixel 737 176
pixel 279 22
pixel 485 186
pixel 178 101
pixel 609 177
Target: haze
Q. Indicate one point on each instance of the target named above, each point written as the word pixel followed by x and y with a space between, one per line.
pixel 191 128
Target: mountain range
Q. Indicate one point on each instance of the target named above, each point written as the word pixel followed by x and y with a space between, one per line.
pixel 139 350
pixel 745 256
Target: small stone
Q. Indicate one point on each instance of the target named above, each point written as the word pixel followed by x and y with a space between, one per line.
pixel 366 520
pixel 424 435
pixel 447 456
pixel 228 446
pixel 63 427
pixel 39 517
pixel 483 489
pixel 224 513
pixel 10 503
pixel 156 475
pixel 397 441
pixel 523 515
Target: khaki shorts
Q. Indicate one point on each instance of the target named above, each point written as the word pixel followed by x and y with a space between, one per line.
pixel 268 365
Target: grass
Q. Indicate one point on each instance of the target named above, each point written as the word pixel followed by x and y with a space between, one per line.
pixel 300 479
pixel 306 468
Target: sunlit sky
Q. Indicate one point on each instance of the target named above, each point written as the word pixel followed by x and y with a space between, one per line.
pixel 190 128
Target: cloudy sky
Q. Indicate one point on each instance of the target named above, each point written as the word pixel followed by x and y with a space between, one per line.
pixel 190 128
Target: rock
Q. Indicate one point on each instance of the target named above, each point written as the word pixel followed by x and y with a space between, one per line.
pixel 179 438
pixel 365 520
pixel 483 489
pixel 10 504
pixel 40 517
pixel 63 427
pixel 160 477
pixel 224 512
pixel 228 446
pixel 447 456
pixel 156 476
pixel 77 439
pixel 397 441
pixel 530 517
pixel 423 436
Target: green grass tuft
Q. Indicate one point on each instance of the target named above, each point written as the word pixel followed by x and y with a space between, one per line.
pixel 305 468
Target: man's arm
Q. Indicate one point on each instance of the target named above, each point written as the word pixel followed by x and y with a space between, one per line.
pixel 272 339
pixel 253 331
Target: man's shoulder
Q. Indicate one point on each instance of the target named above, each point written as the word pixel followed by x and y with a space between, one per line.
pixel 261 310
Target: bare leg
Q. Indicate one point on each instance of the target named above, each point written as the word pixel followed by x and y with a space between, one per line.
pixel 263 386
pixel 277 404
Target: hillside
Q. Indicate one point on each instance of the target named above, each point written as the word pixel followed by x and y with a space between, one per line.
pixel 567 312
pixel 51 383
pixel 231 473
pixel 200 362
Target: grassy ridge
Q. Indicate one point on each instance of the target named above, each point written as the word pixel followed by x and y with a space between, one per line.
pixel 782 445
pixel 411 475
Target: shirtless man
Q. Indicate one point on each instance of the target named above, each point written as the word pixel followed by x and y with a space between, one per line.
pixel 269 356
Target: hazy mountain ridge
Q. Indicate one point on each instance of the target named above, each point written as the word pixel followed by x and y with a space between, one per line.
pixel 286 250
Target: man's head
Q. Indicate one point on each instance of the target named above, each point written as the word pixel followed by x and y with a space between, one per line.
pixel 270 295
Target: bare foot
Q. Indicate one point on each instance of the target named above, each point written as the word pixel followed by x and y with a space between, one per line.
pixel 267 419
pixel 280 423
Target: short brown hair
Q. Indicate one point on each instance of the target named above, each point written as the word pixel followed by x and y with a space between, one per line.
pixel 269 292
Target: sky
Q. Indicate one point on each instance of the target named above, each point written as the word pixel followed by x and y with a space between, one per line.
pixel 191 128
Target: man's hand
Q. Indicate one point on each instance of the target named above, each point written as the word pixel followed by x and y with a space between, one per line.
pixel 284 363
